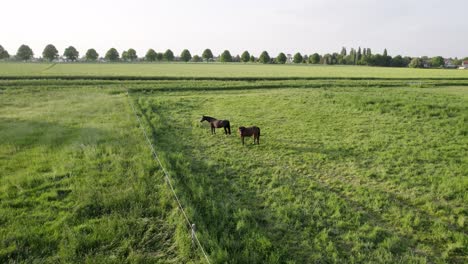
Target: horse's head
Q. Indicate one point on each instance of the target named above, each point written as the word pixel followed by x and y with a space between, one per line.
pixel 203 118
pixel 241 129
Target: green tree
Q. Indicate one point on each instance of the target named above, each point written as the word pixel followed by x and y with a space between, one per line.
pixel 132 55
pixel 343 52
pixel 112 55
pixel 375 60
pixel 24 53
pixel 341 59
pixel 416 63
pixel 185 55
pixel 397 61
pixel 351 58
pixel 71 53
pixel 50 52
pixel 91 55
pixel 327 59
pixel 168 55
pixel 125 55
pixel 281 58
pixel 225 56
pixel 359 55
pixel 196 58
pixel 437 62
pixel 252 58
pixel 334 58
pixel 159 56
pixel 3 53
pixel 298 58
pixel 264 58
pixel 386 59
pixel 245 57
pixel 129 55
pixel 364 57
pixel 207 55
pixel 151 55
pixel 406 61
pixel 314 58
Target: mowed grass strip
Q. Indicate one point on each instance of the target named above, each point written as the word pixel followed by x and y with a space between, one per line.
pixel 219 70
pixel 362 175
pixel 149 86
pixel 77 182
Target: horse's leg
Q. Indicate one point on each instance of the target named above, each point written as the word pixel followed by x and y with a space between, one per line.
pixel 242 140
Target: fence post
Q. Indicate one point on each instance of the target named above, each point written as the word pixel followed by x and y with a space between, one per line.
pixel 193 234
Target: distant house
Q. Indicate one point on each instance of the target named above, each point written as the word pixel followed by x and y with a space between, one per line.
pixel 427 63
pixel 448 63
pixel 464 65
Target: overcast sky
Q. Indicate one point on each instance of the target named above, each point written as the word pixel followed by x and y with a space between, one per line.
pixel 406 27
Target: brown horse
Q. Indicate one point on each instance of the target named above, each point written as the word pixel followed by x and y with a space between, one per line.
pixel 248 132
pixel 215 123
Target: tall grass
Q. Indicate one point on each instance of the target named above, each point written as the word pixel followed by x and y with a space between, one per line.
pixel 368 175
pixel 347 171
pixel 77 183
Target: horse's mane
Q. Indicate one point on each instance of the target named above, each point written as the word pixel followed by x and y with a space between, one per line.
pixel 209 117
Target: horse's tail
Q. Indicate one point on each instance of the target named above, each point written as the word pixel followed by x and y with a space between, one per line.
pixel 259 132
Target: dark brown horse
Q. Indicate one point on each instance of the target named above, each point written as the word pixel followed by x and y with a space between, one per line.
pixel 248 132
pixel 215 123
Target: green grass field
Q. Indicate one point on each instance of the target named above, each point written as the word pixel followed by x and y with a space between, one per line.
pixel 77 183
pixel 341 175
pixel 221 70
pixel 347 171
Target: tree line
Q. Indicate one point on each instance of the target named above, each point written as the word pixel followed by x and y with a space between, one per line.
pixel 358 56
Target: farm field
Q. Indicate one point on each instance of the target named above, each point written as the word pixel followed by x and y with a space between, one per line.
pixel 341 175
pixel 219 70
pixel 346 171
pixel 77 183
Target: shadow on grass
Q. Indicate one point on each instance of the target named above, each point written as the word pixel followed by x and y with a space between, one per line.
pixel 32 146
pixel 22 134
pixel 229 223
pixel 236 222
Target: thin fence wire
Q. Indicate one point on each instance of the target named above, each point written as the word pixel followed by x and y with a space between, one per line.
pixel 168 180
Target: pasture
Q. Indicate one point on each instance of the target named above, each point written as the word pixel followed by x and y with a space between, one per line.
pixel 347 171
pixel 338 176
pixel 77 183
